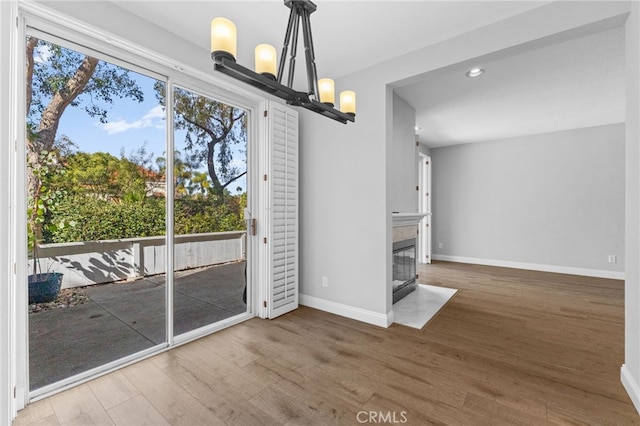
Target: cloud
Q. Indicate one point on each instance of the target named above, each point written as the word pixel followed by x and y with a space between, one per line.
pixel 239 161
pixel 42 54
pixel 153 118
pixel 155 112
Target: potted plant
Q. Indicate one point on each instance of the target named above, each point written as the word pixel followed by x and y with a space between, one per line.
pixel 42 202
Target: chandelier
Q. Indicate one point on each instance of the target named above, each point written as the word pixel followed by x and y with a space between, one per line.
pixel 319 98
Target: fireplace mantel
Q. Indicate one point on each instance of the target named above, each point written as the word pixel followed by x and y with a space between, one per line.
pixel 407 219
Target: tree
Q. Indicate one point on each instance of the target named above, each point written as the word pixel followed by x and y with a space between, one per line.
pixel 183 172
pixel 212 129
pixel 105 176
pixel 200 184
pixel 57 78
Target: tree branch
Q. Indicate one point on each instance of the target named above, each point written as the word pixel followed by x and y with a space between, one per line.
pixel 215 139
pixel 53 112
pixel 233 180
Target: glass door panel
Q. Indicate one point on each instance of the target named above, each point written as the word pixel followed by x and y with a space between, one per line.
pixel 96 210
pixel 210 190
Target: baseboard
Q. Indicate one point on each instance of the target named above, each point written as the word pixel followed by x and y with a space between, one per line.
pixel 631 386
pixel 598 273
pixel 347 311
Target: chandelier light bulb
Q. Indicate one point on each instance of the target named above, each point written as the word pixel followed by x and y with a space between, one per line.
pixel 223 38
pixel 348 102
pixel 265 60
pixel 327 91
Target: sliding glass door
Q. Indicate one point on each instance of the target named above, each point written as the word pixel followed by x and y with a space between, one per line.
pixel 136 210
pixel 210 198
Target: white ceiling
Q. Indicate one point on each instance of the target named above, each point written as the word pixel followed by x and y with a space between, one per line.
pixel 348 35
pixel 574 84
pixel 577 83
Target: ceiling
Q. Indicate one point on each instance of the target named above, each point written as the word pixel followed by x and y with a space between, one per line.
pixel 348 35
pixel 577 83
pixel 574 84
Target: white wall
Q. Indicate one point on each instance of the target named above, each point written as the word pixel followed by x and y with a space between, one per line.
pixel 404 153
pixel 343 208
pixel 630 372
pixel 346 171
pixel 553 201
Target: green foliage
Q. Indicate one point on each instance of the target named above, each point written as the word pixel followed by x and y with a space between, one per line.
pixel 102 219
pixel 187 179
pixel 43 203
pixel 105 176
pixel 198 215
pixel 104 198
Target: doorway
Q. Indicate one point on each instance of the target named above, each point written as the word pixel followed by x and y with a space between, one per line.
pixel 424 205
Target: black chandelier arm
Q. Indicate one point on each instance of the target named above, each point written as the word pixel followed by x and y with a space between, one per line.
pixel 229 66
pixel 328 111
pixel 312 73
pixel 294 51
pixel 285 45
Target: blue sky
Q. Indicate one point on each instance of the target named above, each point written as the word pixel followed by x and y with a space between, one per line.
pixel 130 125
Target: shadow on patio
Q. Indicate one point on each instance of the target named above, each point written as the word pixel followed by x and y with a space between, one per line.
pixel 123 318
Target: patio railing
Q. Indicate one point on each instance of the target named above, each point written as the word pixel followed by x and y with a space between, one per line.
pixel 97 262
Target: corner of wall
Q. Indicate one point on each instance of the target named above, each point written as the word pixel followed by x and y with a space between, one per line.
pixel 631 386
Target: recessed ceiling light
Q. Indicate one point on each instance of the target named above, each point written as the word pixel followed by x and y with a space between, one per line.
pixel 417 128
pixel 475 72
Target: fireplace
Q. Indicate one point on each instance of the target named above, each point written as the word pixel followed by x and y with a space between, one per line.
pixel 404 268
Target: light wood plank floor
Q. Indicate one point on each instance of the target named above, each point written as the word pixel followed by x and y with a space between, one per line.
pixel 512 347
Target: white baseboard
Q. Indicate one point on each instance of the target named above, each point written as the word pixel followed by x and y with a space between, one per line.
pixel 352 312
pixel 598 273
pixel 631 386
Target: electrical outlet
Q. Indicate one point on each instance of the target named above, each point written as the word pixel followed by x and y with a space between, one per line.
pixel 440 245
pixel 325 282
pixel 612 258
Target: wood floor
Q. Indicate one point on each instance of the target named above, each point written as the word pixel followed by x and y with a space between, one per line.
pixel 512 347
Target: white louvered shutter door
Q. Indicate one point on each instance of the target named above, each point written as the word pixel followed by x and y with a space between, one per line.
pixel 282 210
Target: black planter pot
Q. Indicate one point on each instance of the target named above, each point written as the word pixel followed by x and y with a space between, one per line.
pixel 44 287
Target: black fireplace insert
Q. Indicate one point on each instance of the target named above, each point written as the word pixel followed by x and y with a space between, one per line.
pixel 404 268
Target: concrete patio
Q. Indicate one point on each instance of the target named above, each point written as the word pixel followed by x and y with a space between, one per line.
pixel 127 317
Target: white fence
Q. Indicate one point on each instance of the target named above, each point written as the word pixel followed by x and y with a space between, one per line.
pixel 97 262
